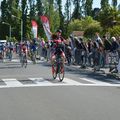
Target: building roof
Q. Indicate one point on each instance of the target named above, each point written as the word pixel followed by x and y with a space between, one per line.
pixel 78 33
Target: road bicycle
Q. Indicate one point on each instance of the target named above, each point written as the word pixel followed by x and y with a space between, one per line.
pixel 58 68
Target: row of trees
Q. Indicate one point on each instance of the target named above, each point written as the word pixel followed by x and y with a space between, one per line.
pixel 82 18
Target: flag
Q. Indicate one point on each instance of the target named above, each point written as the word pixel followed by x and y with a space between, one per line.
pixel 46 26
pixel 34 28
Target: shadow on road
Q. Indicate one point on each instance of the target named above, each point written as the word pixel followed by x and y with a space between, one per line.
pixel 10 66
pixel 87 73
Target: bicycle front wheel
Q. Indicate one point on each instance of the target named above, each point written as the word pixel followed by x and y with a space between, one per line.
pixel 61 72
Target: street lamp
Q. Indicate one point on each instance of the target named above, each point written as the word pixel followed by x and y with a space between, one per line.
pixel 21 26
pixel 9 28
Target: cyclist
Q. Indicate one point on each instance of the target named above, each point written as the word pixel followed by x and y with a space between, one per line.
pixel 57 45
pixel 33 51
pixel 24 50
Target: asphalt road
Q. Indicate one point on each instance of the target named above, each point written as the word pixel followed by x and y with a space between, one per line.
pixel 83 95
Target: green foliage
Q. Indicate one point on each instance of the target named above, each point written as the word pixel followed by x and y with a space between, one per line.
pixel 81 25
pixel 40 7
pixel 75 25
pixel 104 4
pixel 56 21
pixel 51 10
pixel 86 22
pixel 92 29
pixel 88 25
pixel 108 16
pixel 115 31
pixel 59 4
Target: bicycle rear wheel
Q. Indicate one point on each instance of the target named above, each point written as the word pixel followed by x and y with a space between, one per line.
pixel 54 71
pixel 61 72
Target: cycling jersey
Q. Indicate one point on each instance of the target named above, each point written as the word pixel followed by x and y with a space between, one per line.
pixel 24 48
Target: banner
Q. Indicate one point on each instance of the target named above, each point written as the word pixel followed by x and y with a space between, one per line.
pixel 46 26
pixel 34 28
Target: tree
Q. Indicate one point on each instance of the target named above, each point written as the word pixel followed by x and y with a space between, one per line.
pixel 51 13
pixel 92 29
pixel 74 25
pixel 88 7
pixel 77 10
pixel 82 7
pixel 68 10
pixel 61 16
pixel 9 8
pixel 115 31
pixel 108 17
pixel 32 9
pixel 85 24
pixel 114 3
pixel 24 18
pixel 4 11
pixel 104 4
pixel 95 13
pixel 40 8
pixel 59 3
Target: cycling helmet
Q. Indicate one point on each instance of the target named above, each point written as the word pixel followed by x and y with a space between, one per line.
pixel 60 31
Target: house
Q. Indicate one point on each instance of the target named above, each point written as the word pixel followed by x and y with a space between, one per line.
pixel 78 33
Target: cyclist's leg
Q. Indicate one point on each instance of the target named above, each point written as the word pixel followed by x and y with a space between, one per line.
pixel 53 57
pixel 63 57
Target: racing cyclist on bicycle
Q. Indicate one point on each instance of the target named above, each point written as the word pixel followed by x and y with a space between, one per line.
pixel 24 50
pixel 57 45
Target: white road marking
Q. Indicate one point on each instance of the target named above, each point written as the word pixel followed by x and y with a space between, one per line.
pixel 41 81
pixel 10 83
pixel 14 83
pixel 95 81
pixel 18 61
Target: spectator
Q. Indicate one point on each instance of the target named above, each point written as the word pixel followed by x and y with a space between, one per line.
pixel 115 44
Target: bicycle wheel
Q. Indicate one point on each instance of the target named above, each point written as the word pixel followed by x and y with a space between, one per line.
pixel 25 63
pixel 61 72
pixel 54 68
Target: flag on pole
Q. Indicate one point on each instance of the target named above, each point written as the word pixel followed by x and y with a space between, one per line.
pixel 34 28
pixel 46 26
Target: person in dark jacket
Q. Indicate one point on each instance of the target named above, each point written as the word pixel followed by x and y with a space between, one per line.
pixel 115 44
